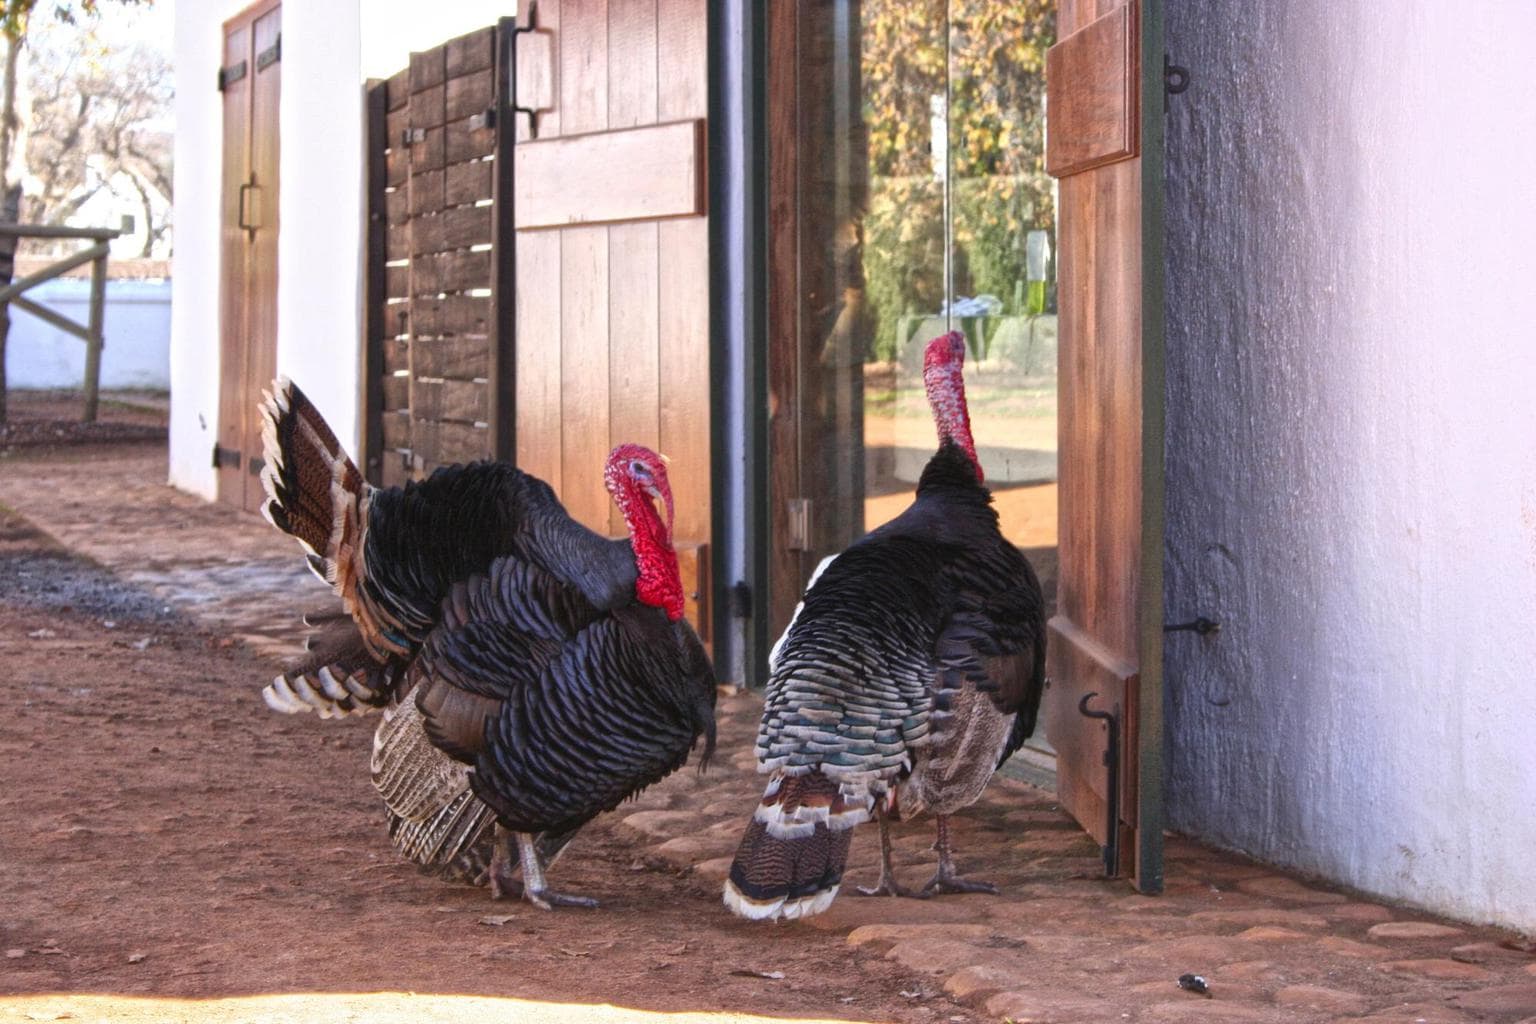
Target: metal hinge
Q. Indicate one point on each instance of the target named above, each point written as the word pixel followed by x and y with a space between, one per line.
pixel 225 457
pixel 271 55
pixel 411 136
pixel 485 119
pixel 1175 80
pixel 799 525
pixel 230 75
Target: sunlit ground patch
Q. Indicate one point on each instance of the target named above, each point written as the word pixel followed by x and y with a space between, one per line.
pixel 352 1008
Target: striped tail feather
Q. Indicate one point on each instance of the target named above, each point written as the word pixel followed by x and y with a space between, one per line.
pixel 316 495
pixel 312 487
pixel 435 819
pixel 791 858
pixel 337 677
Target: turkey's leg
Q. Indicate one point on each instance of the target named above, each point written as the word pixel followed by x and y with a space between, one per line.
pixel 946 878
pixel 534 889
pixel 887 886
pixel 503 864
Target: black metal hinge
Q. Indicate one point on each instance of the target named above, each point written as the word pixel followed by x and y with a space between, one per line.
pixel 225 457
pixel 1175 80
pixel 271 55
pixel 1201 625
pixel 230 75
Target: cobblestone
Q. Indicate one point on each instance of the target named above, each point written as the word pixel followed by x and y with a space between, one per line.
pixel 1317 997
pixel 1411 930
pixel 1444 970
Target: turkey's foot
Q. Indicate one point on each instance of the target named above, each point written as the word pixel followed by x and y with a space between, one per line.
pixel 887 886
pixel 503 869
pixel 946 879
pixel 549 899
pixel 942 883
pixel 534 889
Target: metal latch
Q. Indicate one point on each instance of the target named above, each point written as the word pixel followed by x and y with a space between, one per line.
pixel 799 524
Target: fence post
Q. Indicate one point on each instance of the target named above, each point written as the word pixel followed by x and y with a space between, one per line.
pixel 10 213
pixel 93 343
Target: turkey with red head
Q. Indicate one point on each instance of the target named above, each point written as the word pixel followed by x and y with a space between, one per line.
pixel 533 674
pixel 911 672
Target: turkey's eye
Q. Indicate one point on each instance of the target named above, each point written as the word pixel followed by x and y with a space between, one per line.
pixel 639 470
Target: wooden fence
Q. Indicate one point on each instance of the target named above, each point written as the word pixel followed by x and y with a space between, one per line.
pixel 12 293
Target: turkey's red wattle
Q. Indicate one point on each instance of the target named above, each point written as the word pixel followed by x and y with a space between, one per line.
pixel 944 382
pixel 660 582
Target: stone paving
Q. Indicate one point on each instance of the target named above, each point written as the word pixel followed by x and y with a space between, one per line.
pixel 1060 944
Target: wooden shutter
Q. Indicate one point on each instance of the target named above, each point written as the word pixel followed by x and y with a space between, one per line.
pixel 1105 640
pixel 250 79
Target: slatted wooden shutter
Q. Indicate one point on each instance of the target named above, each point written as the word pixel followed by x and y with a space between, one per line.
pixel 544 276
pixel 435 351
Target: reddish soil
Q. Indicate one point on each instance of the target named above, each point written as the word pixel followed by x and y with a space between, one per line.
pixel 168 837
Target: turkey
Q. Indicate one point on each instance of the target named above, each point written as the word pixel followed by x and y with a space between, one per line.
pixel 532 674
pixel 912 671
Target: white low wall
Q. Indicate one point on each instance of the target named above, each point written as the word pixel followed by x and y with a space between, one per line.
pixel 137 331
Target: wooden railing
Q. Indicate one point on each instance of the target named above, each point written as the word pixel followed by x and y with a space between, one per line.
pixel 89 332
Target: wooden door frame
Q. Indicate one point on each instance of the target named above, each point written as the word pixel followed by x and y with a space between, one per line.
pixel 1148 752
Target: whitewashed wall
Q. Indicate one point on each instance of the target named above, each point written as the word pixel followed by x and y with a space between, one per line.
pixel 1352 443
pixel 320 250
pixel 136 329
pixel 320 245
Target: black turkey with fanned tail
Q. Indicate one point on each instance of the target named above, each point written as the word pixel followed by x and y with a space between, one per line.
pixel 532 673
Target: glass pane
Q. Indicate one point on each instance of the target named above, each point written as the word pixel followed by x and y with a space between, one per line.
pixel 924 206
pixel 1002 242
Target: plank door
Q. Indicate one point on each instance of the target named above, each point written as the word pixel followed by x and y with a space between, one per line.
pixel 612 275
pixel 1104 146
pixel 250 79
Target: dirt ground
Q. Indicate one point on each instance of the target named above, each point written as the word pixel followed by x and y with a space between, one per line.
pixel 172 851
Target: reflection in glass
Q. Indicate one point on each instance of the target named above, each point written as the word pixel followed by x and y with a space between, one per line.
pixel 927 208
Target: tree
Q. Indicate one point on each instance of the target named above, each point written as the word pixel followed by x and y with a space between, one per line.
pixel 97 126
pixel 15 22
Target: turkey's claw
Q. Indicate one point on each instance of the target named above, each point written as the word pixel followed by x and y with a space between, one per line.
pixel 947 883
pixel 548 899
pixel 888 886
pixel 504 864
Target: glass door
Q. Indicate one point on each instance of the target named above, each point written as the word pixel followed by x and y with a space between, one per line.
pixel 908 138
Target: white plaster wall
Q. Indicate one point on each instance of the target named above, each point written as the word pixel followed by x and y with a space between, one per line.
pixel 1352 443
pixel 321 213
pixel 136 331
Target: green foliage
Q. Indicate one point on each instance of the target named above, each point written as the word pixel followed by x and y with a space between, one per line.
pixel 993 55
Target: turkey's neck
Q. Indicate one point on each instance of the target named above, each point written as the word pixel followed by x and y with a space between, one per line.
pixel 659 583
pixel 945 386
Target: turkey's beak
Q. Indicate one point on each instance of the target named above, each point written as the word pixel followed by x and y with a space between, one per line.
pixel 662 503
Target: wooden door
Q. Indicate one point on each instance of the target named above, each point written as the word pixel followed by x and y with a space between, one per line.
pixel 1104 146
pixel 250 80
pixel 612 275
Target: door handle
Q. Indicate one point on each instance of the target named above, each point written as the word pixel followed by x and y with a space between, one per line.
pixel 244 220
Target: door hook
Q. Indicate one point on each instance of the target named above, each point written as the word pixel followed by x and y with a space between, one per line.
pixel 1111 719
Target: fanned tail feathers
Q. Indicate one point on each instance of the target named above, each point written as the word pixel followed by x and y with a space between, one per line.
pixel 317 495
pixel 338 677
pixel 790 862
pixel 435 819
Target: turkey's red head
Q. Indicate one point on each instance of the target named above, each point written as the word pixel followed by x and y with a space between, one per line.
pixel 637 479
pixel 944 380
